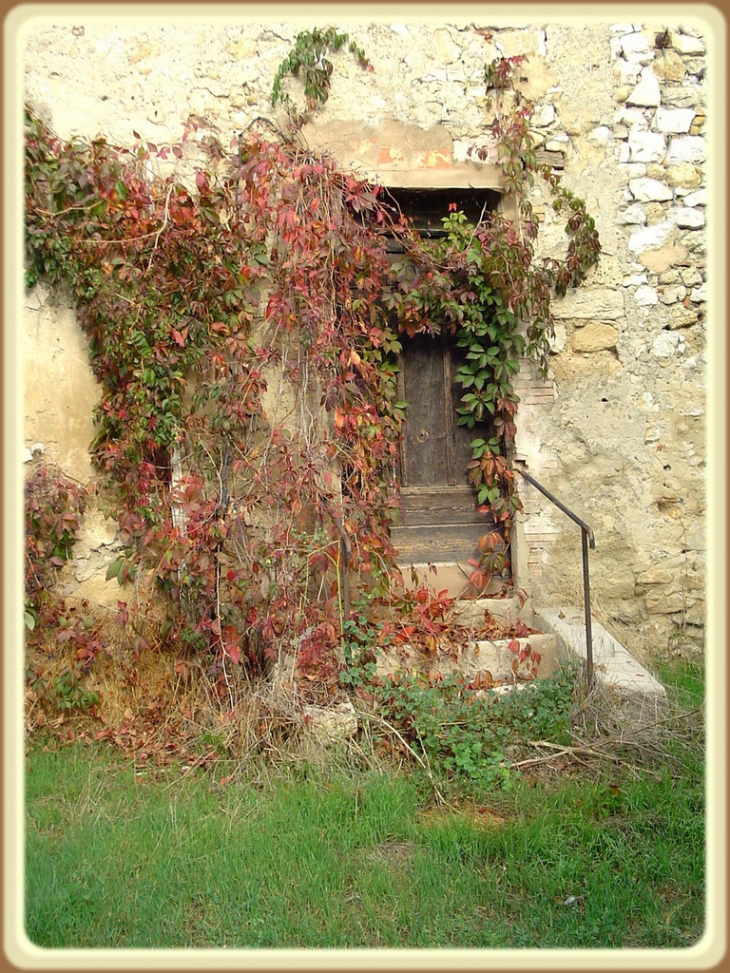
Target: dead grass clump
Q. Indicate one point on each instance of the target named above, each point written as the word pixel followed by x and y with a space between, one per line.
pixel 637 734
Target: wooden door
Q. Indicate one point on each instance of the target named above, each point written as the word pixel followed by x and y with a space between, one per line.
pixel 441 522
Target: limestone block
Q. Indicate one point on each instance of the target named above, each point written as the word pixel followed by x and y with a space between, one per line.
pixel 633 170
pixel 636 47
pixel 648 146
pixel 659 603
pixel 654 213
pixel 685 175
pixel 669 66
pixel 633 215
pixel 557 143
pixel 651 237
pixel 687 148
pixel 655 575
pixel 688 96
pixel 699 294
pixel 664 258
pixel 595 337
pixel 632 118
pixel 665 344
pixel 686 44
pixel 603 303
pixel 696 199
pixel 559 339
pixel 647 92
pixel 694 615
pixel 646 295
pixel 676 121
pixel 686 217
pixel 691 277
pixel 683 317
pixel 649 189
pixel 672 294
pixel 543 116
pixel 238 97
pixel 602 135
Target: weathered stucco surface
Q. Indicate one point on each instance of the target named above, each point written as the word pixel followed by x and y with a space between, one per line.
pixel 618 430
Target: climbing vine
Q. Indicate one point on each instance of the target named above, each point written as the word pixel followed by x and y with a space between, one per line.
pixel 308 61
pixel 244 322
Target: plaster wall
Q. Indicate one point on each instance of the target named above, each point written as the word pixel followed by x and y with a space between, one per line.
pixel 618 429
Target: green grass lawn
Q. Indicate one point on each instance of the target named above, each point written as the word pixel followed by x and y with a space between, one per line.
pixel 347 858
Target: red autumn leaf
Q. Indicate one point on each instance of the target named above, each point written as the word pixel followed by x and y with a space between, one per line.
pixel 178 337
pixel 201 181
pixel 234 654
pixel 514 646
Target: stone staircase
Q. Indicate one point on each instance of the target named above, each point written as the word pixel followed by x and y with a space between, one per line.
pixel 562 638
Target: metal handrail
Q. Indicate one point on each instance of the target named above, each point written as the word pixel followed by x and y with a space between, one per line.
pixel 587 538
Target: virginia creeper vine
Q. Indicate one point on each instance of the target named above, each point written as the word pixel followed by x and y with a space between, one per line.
pixel 245 336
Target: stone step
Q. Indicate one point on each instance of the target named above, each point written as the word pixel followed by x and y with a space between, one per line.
pixel 613 665
pixel 449 576
pixel 507 611
pixel 472 658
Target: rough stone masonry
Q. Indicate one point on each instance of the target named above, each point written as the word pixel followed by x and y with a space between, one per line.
pixel 618 431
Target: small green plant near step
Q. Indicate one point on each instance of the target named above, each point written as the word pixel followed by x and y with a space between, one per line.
pixel 472 735
pixel 358 646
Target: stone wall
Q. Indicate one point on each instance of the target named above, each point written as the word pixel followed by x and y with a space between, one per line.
pixel 618 430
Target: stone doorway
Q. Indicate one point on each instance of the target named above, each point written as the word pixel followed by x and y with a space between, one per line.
pixel 441 522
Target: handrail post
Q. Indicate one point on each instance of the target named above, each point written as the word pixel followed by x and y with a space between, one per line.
pixel 587 537
pixel 587 610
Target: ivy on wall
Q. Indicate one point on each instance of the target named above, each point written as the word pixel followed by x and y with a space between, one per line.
pixel 269 282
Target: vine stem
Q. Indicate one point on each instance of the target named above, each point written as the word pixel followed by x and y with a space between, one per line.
pixel 165 221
